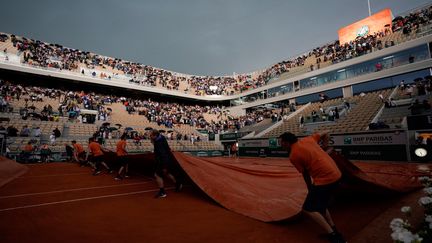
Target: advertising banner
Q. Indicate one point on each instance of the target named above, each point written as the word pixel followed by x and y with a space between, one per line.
pixel 266 147
pixel 254 143
pixel 368 26
pixel 262 152
pixel 389 145
pixel 232 136
pixel 373 152
pixel 419 122
pixel 208 153
pixel 383 138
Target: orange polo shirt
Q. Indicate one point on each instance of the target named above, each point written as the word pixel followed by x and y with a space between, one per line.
pixel 28 148
pixel 121 148
pixel 307 155
pixel 78 148
pixel 95 149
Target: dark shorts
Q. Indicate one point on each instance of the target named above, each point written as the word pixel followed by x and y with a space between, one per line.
pixel 318 197
pixel 123 160
pixel 82 155
pixel 97 159
pixel 161 168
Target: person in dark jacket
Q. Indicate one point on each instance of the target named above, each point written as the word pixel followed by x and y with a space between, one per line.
pixel 57 132
pixel 69 151
pixel 165 165
pixel 45 153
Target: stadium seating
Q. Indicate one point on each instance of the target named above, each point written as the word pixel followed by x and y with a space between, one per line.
pixel 208 85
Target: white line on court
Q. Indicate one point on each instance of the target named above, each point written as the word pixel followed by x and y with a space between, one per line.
pixel 80 199
pixel 72 190
pixel 81 173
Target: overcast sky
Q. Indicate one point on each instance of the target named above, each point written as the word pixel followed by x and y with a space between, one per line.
pixel 199 37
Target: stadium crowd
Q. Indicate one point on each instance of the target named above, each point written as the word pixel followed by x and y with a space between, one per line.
pixel 42 54
pixel 72 103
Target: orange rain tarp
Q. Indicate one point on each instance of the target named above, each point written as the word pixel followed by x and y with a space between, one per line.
pixel 263 189
pixel 381 176
pixel 270 189
pixel 267 189
pixel 10 170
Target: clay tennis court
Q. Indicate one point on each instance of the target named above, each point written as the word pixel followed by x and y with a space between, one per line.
pixel 62 202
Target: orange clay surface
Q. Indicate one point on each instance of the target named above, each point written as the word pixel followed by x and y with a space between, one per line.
pixel 62 202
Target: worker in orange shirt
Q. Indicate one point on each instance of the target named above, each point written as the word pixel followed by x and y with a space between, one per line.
pixel 79 153
pixel 122 158
pixel 27 151
pixel 97 156
pixel 321 175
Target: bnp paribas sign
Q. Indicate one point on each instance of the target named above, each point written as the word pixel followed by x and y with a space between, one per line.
pixel 387 138
pixel 390 145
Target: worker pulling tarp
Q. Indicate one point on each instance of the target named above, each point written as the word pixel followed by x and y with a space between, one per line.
pixel 266 189
pixel 271 189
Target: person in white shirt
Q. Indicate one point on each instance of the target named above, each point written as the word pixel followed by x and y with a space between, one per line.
pixel 402 85
pixel 331 115
pixel 409 90
pixel 37 132
pixel 381 97
pixel 52 139
pixel 301 120
pixel 192 138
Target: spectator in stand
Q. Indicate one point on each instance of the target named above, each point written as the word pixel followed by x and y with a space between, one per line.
pixel 37 132
pixel 390 103
pixel 52 139
pixel 381 97
pixel 314 115
pixel 301 120
pixel 137 138
pixel 331 115
pixel 57 132
pixel 411 59
pixel 409 90
pixel 378 66
pixel 12 131
pixel 25 131
pixel 402 85
pixel 323 97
